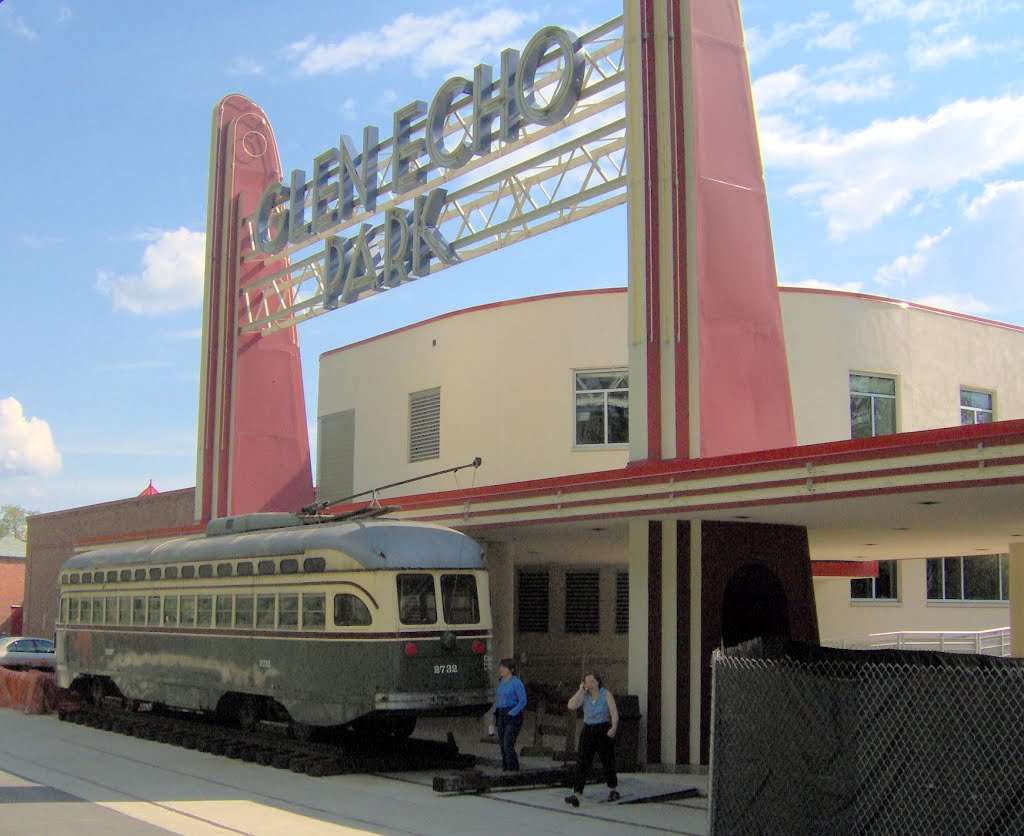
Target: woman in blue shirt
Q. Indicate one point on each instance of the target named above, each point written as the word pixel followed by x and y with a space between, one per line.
pixel 508 713
pixel 600 723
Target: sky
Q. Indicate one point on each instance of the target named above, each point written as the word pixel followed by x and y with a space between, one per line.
pixel 892 133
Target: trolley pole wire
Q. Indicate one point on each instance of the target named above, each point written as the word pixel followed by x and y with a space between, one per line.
pixel 317 507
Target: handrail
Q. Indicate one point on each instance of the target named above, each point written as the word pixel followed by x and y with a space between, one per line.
pixel 994 642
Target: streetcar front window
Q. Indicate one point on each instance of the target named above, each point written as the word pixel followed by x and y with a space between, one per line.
pixel 243 611
pixel 288 612
pixel 417 603
pixel 224 610
pixel 154 609
pixel 188 610
pixel 111 614
pixel 204 611
pixel 459 599
pixel 313 611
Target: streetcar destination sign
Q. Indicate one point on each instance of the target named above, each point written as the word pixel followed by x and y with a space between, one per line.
pixel 402 244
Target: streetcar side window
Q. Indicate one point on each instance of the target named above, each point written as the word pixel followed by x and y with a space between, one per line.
pixel 289 566
pixel 459 599
pixel 266 567
pixel 138 610
pixel 224 610
pixel 288 612
pixel 243 611
pixel 224 570
pixel 206 570
pixel 74 609
pixel 416 601
pixel 87 577
pixel 314 564
pixel 266 611
pixel 188 571
pixel 204 611
pixel 126 574
pixel 75 578
pixel 350 611
pixel 171 572
pixel 154 574
pixel 86 613
pixel 140 574
pixel 313 611
pixel 171 610
pixel 154 609
pixel 124 611
pixel 111 613
pixel 245 568
pixel 112 576
pixel 64 610
pixel 188 610
pixel 64 579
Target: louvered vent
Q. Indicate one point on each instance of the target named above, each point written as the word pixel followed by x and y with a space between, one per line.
pixel 582 602
pixel 622 602
pixel 425 425
pixel 532 606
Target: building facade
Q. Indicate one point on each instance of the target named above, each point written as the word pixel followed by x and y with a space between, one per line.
pixel 540 388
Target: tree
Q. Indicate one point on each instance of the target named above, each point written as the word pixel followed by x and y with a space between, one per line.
pixel 13 521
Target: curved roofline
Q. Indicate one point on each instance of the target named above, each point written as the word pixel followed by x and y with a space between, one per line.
pixel 598 291
pixel 885 300
pixel 902 304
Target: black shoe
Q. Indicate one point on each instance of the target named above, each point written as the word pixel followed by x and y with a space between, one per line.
pixel 573 800
pixel 614 795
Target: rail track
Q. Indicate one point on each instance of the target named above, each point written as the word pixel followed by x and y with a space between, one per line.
pixel 269 744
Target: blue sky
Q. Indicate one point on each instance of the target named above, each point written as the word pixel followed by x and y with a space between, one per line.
pixel 892 133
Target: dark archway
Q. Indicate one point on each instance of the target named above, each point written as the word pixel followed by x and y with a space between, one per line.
pixel 754 605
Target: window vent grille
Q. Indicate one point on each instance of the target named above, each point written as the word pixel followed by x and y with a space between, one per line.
pixel 582 602
pixel 425 425
pixel 533 601
pixel 622 602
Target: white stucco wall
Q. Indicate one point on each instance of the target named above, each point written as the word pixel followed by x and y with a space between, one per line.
pixel 506 378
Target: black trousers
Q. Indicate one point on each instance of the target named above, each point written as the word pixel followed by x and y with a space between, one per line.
pixel 508 730
pixel 594 739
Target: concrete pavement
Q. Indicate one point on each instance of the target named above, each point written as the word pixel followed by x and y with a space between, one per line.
pixel 61 778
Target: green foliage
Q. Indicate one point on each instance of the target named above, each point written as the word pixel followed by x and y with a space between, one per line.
pixel 13 521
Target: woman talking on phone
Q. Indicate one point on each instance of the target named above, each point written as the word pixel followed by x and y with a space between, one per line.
pixel 600 723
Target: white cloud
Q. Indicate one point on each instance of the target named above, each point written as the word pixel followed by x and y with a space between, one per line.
pixel 839 37
pixel 26 444
pixel 918 11
pixel 926 53
pixel 859 178
pixel 983 250
pixel 450 40
pixel 19 27
pixel 839 84
pixel 171 277
pixel 243 66
pixel 847 287
pixel 906 267
pixel 959 302
pixel 761 44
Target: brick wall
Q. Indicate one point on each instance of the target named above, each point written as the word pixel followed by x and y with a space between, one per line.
pixel 52 538
pixel 12 588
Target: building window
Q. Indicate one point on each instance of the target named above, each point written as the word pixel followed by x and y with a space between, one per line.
pixel 975 407
pixel 532 605
pixel 622 602
pixel 582 602
pixel 602 407
pixel 882 588
pixel 425 425
pixel 979 578
pixel 872 405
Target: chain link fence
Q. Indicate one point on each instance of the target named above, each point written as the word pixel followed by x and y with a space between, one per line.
pixel 812 740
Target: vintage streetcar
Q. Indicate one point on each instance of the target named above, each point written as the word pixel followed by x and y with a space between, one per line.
pixel 366 624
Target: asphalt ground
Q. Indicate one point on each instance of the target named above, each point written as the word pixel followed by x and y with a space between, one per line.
pixel 58 778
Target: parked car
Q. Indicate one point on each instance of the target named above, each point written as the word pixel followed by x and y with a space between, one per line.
pixel 22 653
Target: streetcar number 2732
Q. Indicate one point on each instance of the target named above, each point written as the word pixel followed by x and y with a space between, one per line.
pixel 446 668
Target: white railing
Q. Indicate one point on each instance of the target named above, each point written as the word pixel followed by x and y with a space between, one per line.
pixel 988 642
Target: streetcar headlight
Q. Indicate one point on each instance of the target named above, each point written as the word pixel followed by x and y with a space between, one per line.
pixel 479 647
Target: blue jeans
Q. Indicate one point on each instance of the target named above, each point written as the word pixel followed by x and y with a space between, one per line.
pixel 508 730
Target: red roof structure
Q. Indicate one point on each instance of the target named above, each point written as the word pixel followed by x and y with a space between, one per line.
pixel 149 490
